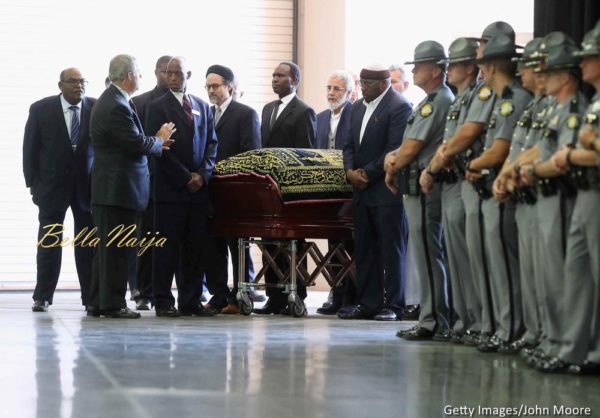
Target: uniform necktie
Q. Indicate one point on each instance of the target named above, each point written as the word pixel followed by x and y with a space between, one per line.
pixel 274 114
pixel 74 126
pixel 187 108
pixel 218 114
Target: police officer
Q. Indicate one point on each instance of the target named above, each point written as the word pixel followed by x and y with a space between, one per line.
pixel 462 74
pixel 499 222
pixel 507 185
pixel 580 345
pixel 424 133
pixel 465 145
pixel 556 195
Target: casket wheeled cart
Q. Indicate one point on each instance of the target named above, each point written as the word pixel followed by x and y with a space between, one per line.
pixel 278 197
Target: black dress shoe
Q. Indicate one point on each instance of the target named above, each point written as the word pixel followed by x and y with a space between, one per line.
pixel 491 344
pixel 142 305
pixel 386 314
pixel 196 310
pixel 515 346
pixel 456 338
pixel 411 312
pixel 170 312
pixel 92 311
pixel 255 297
pixel 552 365
pixel 269 308
pixel 418 334
pixel 329 308
pixel 359 312
pixel 123 313
pixel 587 368
pixel 40 305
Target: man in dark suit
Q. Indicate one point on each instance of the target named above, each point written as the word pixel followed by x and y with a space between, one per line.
pixel 57 159
pixel 140 270
pixel 289 123
pixel 181 201
pixel 238 130
pixel 377 123
pixel 120 184
pixel 333 131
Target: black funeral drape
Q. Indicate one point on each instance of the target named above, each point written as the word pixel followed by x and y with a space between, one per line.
pixel 574 17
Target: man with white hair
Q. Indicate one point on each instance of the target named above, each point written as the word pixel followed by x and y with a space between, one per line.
pixel 333 131
pixel 377 124
pixel 399 80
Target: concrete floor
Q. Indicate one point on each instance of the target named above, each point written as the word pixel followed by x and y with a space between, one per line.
pixel 63 364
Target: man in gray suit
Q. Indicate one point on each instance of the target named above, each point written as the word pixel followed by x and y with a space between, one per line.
pixel 120 183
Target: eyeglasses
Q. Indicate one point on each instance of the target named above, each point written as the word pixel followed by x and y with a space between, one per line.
pixel 75 82
pixel 368 83
pixel 212 86
pixel 336 89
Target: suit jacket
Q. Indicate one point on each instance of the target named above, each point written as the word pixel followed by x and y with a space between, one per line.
pixel 194 150
pixel 238 130
pixel 383 134
pixel 294 128
pixel 142 102
pixel 120 175
pixel 343 130
pixel 51 168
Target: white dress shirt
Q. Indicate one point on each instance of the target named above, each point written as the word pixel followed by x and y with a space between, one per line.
pixel 369 112
pixel 334 121
pixel 68 114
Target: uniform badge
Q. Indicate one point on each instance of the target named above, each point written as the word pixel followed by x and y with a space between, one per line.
pixel 506 108
pixel 591 118
pixel 485 93
pixel 426 110
pixel 573 122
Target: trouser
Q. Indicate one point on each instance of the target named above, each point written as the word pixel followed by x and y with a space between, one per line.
pixel 581 325
pixel 380 252
pixel 554 218
pixel 184 226
pixel 464 294
pixel 49 259
pixel 529 271
pixel 112 258
pixel 425 232
pixel 501 240
pixel 474 232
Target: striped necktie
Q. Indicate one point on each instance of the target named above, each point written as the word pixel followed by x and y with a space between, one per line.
pixel 74 126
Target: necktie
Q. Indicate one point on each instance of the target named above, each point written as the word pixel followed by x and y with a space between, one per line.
pixel 74 126
pixel 274 114
pixel 218 114
pixel 187 108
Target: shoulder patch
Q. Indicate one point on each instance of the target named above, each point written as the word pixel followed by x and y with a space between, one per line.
pixel 506 108
pixel 426 110
pixel 485 93
pixel 573 122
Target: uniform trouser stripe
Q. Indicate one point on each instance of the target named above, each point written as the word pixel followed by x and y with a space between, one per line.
pixel 511 333
pixel 486 272
pixel 428 258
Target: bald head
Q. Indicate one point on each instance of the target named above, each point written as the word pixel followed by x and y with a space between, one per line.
pixel 72 85
pixel 178 74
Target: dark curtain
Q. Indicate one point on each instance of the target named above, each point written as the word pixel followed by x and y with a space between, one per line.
pixel 574 17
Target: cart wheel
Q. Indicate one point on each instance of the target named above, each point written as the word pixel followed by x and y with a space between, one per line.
pixel 246 305
pixel 296 309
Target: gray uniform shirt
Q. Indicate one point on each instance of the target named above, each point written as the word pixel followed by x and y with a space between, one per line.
pixel 457 113
pixel 563 125
pixel 541 110
pixel 507 111
pixel 481 105
pixel 427 122
pixel 522 130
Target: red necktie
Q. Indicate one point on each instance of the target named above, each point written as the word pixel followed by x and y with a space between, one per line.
pixel 187 108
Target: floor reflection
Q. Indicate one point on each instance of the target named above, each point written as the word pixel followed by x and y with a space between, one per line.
pixel 63 364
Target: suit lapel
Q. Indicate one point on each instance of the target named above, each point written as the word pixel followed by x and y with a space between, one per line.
pixel 59 114
pixel 378 112
pixel 178 110
pixel 284 114
pixel 226 115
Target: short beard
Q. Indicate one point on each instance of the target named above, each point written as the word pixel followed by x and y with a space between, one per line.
pixel 333 106
pixel 213 100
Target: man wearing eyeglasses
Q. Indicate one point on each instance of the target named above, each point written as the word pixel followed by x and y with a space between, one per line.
pixel 333 131
pixel 238 130
pixel 57 158
pixel 181 201
pixel 377 123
